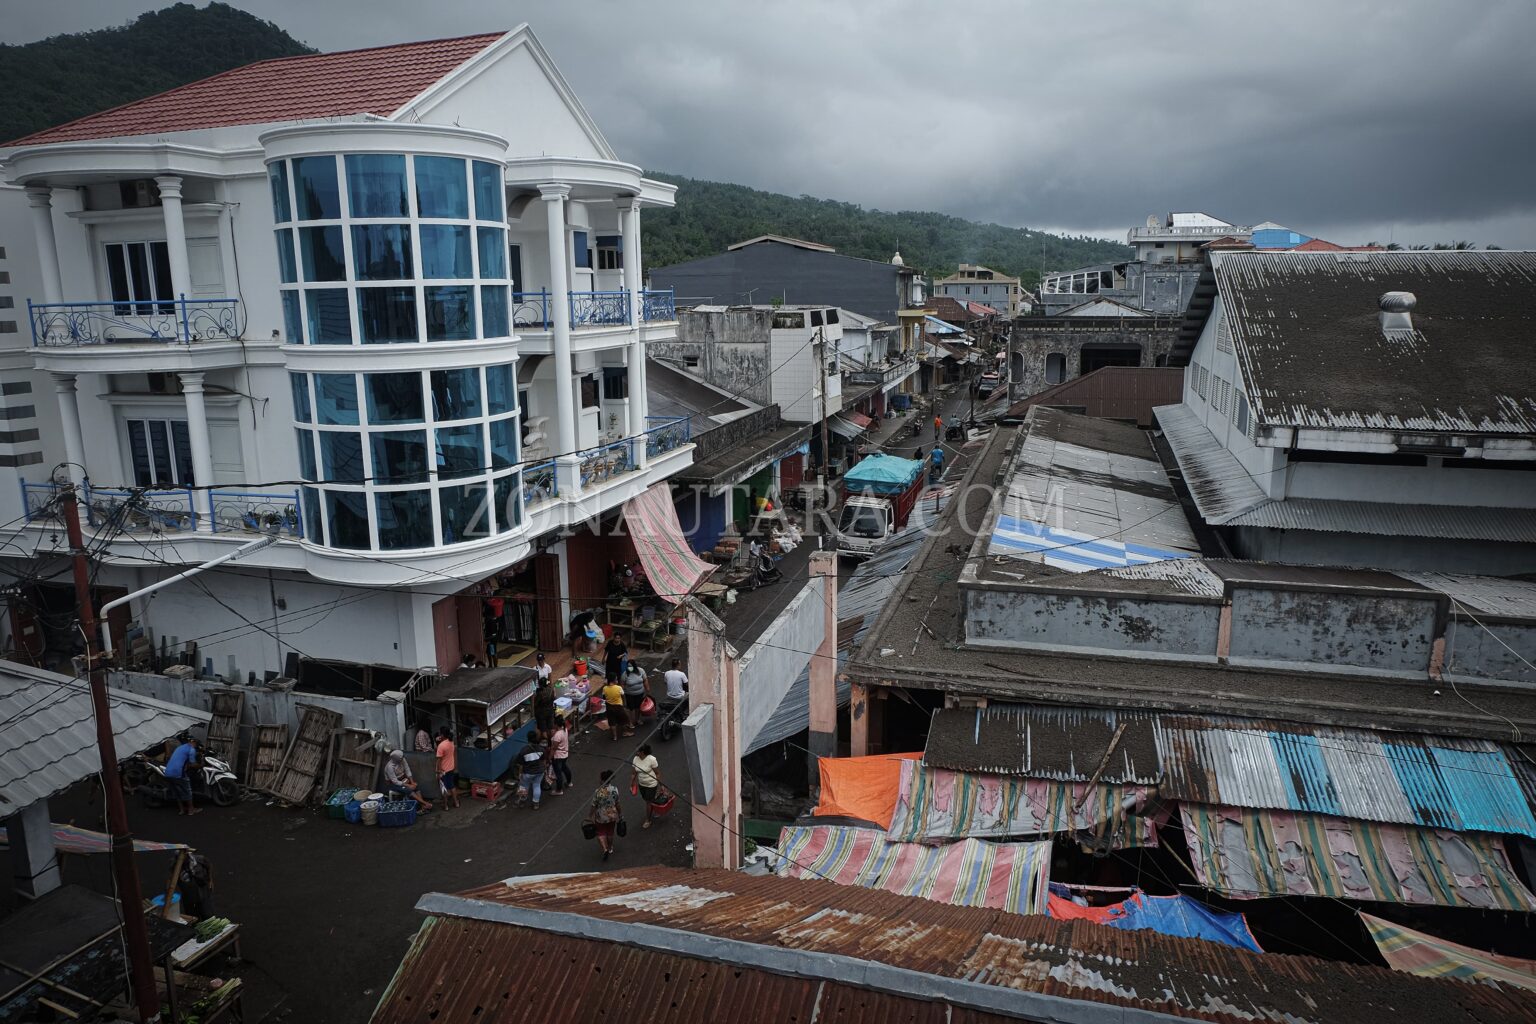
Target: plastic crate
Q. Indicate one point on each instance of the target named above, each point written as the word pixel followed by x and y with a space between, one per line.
pixel 485 790
pixel 397 813
pixel 352 810
pixel 336 805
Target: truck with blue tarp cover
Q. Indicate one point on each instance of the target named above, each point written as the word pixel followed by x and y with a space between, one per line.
pixel 878 496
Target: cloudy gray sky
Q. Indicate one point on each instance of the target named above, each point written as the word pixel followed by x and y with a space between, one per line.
pixel 1409 120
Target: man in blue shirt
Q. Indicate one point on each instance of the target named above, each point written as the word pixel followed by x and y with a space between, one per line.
pixel 938 463
pixel 177 781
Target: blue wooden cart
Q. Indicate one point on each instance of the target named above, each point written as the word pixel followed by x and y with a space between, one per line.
pixel 490 711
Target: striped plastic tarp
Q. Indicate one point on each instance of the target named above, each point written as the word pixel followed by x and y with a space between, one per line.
pixel 970 873
pixel 1069 549
pixel 1248 854
pixel 74 839
pixel 672 568
pixel 1417 953
pixel 936 804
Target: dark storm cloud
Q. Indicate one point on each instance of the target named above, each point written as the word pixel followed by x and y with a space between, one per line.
pixel 1353 120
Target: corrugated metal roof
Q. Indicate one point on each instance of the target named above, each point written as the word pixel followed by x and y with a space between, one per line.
pixel 1218 482
pixel 1064 744
pixel 1449 522
pixel 1464 785
pixel 1483 595
pixel 455 971
pixel 48 731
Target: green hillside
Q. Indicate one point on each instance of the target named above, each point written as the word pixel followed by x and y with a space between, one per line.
pixel 68 76
pixel 711 215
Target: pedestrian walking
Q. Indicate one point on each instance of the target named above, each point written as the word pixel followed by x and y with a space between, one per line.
pixel 182 760
pixel 636 689
pixel 605 813
pixel 448 767
pixel 560 756
pixel 615 655
pixel 613 701
pixel 938 425
pixel 544 706
pixel 531 761
pixel 645 778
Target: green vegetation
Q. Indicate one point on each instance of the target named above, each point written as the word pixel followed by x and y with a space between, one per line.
pixel 68 76
pixel 711 215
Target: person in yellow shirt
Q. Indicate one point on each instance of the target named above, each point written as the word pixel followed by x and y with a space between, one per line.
pixel 618 717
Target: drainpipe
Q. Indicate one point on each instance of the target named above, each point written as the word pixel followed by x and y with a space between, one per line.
pixel 229 556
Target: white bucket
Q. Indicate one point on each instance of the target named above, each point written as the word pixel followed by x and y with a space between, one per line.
pixel 370 812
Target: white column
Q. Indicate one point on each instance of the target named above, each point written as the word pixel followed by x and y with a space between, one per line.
pixel 41 199
pixel 629 223
pixel 35 866
pixel 566 470
pixel 175 234
pixel 202 450
pixel 69 413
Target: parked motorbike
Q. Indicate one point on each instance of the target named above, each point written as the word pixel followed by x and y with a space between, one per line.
pixel 212 780
pixel 765 572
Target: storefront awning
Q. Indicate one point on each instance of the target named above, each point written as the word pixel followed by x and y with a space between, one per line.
pixel 842 426
pixel 673 569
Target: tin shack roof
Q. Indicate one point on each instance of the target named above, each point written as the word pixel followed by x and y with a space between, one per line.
pixel 667 944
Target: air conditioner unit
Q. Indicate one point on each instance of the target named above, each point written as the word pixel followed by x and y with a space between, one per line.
pixel 139 192
pixel 164 383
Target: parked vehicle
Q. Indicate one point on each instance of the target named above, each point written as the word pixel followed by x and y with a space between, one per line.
pixel 989 383
pixel 878 495
pixel 212 780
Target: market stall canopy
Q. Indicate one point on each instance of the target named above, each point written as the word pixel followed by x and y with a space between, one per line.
pixel 74 839
pixel 1417 953
pixel 864 788
pixel 671 566
pixel 844 427
pixel 499 690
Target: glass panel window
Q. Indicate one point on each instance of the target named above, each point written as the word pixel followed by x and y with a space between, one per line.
pixel 504 443
pixel 493 311
pixel 445 251
pixel 450 313
pixel 346 514
pixel 405 519
pixel 456 394
pixel 299 382
pixel 441 187
pixel 117 277
pixel 313 529
pixel 465 515
pixel 277 175
pixel 293 323
pixel 386 315
pixel 376 185
pixel 493 251
pixel 330 322
pixel 500 390
pixel 615 383
pixel 306 443
pixel 399 456
pixel 341 456
pixel 382 252
pixel 315 188
pixel 460 451
pixel 336 399
pixel 286 267
pixel 324 259
pixel 581 253
pixel 488 191
pixel 181 450
pixel 508 498
pixel 139 272
pixel 161 453
pixel 395 398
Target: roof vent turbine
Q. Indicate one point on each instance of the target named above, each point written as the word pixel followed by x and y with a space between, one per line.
pixel 1397 313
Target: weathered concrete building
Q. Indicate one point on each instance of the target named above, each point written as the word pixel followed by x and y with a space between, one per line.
pixel 1048 350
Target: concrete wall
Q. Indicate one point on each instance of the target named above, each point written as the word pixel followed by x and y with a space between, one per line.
pixel 1415 554
pixel 772 270
pixel 1388 633
pixel 771 665
pixel 1123 625
pixel 731 349
pixel 1479 651
pixel 1035 338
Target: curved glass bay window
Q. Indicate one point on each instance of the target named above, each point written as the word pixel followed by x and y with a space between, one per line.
pixel 409 459
pixel 390 249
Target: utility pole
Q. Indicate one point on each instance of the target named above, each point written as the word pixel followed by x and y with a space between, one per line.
pixel 821 394
pixel 141 965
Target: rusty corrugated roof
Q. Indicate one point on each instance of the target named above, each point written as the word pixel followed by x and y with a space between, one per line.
pixel 969 953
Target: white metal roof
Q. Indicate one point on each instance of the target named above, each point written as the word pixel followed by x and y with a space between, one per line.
pixel 48 731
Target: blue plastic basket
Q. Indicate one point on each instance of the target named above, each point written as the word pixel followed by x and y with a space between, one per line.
pixel 353 811
pixel 336 805
pixel 397 813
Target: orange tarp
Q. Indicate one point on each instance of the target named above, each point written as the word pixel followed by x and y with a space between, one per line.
pixel 861 787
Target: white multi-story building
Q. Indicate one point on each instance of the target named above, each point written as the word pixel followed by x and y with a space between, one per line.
pixel 385 305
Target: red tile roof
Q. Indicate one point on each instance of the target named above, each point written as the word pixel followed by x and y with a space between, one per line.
pixel 374 81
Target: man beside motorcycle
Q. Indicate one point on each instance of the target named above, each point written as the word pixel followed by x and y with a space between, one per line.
pixel 176 779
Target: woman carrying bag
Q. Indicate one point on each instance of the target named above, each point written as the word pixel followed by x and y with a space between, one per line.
pixel 604 818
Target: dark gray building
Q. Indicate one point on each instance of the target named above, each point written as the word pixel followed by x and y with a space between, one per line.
pixel 795 272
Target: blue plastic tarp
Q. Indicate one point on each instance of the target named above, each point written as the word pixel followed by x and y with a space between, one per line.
pixel 882 474
pixel 1167 915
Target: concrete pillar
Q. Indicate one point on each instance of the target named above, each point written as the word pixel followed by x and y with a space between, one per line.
pixel 40 197
pixel 858 721
pixel 202 449
pixel 69 415
pixel 823 696
pixel 175 234
pixel 567 468
pixel 714 694
pixel 629 220
pixel 34 865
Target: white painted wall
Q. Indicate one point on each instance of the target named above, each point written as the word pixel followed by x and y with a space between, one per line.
pixel 772 664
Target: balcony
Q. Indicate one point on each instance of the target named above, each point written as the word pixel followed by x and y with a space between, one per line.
pixel 253 512
pixel 658 304
pixel 599 309
pixel 666 433
pixel 600 465
pixel 184 320
pixel 540 484
pixel 139 511
pixel 530 310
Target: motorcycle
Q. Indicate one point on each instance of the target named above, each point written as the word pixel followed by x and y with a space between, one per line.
pixel 213 780
pixel 765 572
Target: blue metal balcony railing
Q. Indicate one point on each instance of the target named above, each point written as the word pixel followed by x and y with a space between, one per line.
pixel 36 501
pixel 540 484
pixel 659 304
pixel 599 309
pixel 530 310
pixel 141 511
pixel 279 513
pixel 184 320
pixel 605 463
pixel 666 433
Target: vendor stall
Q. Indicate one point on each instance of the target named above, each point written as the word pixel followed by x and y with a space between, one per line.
pixel 490 711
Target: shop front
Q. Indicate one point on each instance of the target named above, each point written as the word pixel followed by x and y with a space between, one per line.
pixel 489 712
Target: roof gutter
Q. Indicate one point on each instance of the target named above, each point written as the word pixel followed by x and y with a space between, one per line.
pixel 801 963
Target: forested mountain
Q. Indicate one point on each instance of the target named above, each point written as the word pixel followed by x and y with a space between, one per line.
pixel 68 76
pixel 711 215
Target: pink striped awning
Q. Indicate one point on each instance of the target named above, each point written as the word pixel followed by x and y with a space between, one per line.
pixel 673 569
